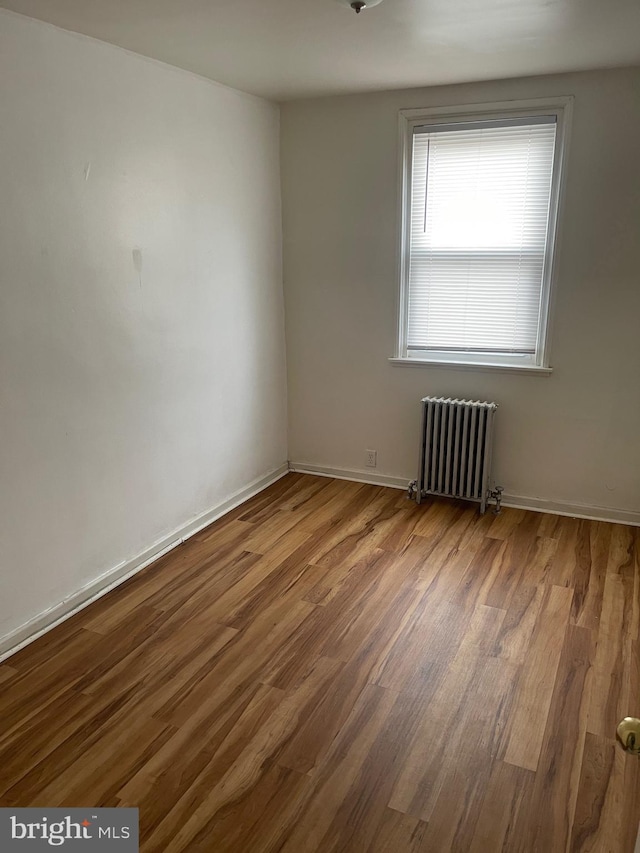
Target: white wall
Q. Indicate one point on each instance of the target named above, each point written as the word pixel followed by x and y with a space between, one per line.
pixel 142 368
pixel 571 438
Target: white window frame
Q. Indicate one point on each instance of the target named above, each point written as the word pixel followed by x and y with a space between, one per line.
pixel 561 108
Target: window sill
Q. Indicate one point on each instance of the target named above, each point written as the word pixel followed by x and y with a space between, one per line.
pixel 471 365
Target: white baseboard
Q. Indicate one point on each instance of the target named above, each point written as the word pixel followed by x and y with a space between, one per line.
pixel 48 619
pixel 368 477
pixel 593 513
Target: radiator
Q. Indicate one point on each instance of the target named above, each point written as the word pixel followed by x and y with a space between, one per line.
pixel 455 450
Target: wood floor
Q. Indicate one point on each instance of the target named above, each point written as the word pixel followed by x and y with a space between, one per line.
pixel 331 668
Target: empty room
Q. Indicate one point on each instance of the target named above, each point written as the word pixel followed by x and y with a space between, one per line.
pixel 319 426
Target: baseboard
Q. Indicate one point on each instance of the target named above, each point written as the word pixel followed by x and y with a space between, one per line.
pixel 371 479
pixel 593 513
pixel 48 619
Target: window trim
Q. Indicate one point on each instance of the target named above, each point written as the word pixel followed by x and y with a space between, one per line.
pixel 562 109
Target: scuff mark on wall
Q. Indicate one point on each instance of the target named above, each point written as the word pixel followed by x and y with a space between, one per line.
pixel 87 169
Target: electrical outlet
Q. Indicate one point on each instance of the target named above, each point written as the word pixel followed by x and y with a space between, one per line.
pixel 372 458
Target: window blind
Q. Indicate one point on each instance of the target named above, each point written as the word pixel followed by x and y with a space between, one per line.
pixel 480 197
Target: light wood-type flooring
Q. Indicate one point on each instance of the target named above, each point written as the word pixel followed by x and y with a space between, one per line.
pixel 332 668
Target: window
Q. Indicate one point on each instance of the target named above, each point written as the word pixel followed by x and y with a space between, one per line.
pixel 481 190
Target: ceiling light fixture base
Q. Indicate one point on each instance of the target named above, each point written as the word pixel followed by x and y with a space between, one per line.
pixel 359 5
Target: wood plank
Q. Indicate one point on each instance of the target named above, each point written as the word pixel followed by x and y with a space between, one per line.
pixel 621 552
pixel 550 525
pixel 25 695
pixel 311 742
pixel 611 697
pixel 92 762
pixel 186 756
pixel 250 823
pixel 505 523
pixel 520 620
pixel 540 561
pixel 562 567
pixel 417 660
pixel 535 687
pixel 474 742
pixel 341 499
pixel 352 538
pixel 269 498
pixel 241 661
pixel 7 672
pixel 326 816
pixel 479 578
pixel 174 656
pixel 27 745
pixel 348 578
pixel 590 573
pixel 546 823
pixel 441 721
pixel 477 531
pixel 403 528
pixel 337 630
pixel 514 558
pixel 442 515
pixel 507 795
pixel 354 824
pixel 150 589
pixel 397 832
pixel 442 570
pixel 444 546
pixel 608 804
pixel 239 773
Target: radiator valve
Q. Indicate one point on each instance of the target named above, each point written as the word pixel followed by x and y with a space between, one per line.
pixel 496 495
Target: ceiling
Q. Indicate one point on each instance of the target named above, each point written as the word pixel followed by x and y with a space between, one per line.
pixel 285 49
